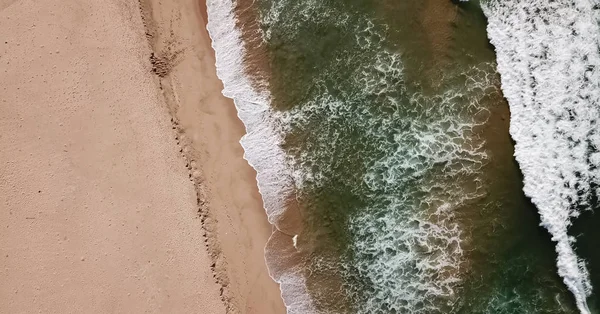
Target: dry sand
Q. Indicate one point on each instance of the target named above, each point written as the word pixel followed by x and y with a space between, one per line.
pixel 99 190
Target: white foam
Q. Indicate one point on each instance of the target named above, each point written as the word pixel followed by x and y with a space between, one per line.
pixel 262 140
pixel 548 56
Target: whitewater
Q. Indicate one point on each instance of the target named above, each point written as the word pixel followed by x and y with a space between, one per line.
pixel 548 53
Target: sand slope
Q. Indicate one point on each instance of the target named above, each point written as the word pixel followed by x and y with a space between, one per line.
pixel 210 130
pixel 97 214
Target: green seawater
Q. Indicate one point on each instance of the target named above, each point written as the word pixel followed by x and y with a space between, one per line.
pixel 397 131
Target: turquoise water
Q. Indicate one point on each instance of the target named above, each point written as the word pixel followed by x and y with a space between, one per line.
pixel 389 129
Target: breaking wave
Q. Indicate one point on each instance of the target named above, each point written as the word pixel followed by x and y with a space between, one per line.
pixel 548 55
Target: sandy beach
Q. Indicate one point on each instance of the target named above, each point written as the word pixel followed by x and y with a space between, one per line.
pixel 123 187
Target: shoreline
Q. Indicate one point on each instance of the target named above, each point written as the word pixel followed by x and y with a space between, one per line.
pixel 210 132
pixel 242 66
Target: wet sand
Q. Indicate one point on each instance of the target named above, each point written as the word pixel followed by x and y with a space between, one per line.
pixel 122 182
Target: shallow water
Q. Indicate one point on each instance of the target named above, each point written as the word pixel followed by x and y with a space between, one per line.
pixel 380 134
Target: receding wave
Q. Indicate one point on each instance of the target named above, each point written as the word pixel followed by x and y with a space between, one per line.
pixel 548 54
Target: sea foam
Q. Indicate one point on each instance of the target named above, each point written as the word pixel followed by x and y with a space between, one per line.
pixel 548 54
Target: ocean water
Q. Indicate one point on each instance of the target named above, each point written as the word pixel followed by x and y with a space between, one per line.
pixel 388 160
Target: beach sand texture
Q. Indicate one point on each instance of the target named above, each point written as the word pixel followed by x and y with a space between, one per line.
pixel 108 155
